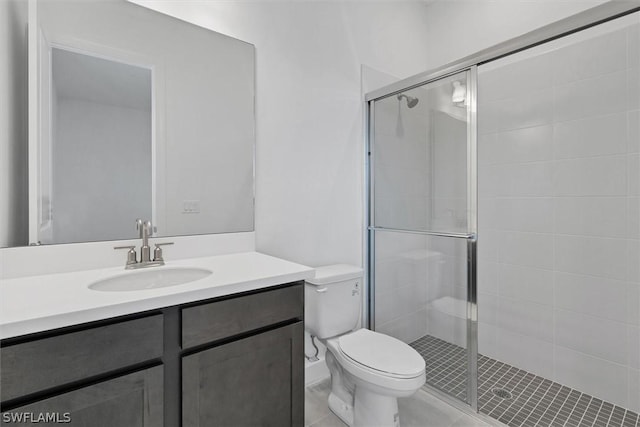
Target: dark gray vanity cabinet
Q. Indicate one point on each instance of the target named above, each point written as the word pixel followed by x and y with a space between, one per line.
pixel 233 361
pixel 252 373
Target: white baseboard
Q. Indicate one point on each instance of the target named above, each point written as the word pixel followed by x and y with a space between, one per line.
pixel 315 371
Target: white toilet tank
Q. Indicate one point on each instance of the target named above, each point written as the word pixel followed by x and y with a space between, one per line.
pixel 333 300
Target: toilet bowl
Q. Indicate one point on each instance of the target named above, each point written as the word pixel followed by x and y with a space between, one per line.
pixel 369 370
pixel 380 369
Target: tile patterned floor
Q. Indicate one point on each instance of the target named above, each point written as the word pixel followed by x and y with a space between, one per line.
pixel 534 402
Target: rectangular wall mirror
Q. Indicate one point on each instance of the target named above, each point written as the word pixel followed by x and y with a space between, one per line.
pixel 137 115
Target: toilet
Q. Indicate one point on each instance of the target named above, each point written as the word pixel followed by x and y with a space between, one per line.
pixel 369 370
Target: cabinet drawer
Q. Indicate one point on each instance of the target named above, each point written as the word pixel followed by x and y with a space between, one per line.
pixel 44 363
pixel 223 319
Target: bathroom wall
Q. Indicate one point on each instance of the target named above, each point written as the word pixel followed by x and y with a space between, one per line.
pixel 559 212
pixel 463 27
pixel 309 158
pixel 13 123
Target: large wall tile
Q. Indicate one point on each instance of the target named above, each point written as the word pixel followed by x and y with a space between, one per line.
pixel 595 336
pixel 633 174
pixel 526 249
pixel 524 180
pixel 487 213
pixel 593 57
pixel 487 181
pixel 633 261
pixel 597 296
pixel 584 177
pixel 533 214
pixel 633 88
pixel 591 97
pixel 487 340
pixel 598 377
pixel 532 355
pixel 633 343
pixel 517 112
pixel 633 46
pixel 488 314
pixel 633 217
pixel 633 131
pixel 526 318
pixel 633 304
pixel 487 276
pixel 592 256
pixel 526 283
pixel 488 243
pixel 591 216
pixel 593 136
pixel 515 79
pixel 563 232
pixel 531 144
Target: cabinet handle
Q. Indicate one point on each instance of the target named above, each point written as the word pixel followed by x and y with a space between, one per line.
pixel 321 290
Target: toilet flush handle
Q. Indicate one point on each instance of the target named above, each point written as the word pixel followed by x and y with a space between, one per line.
pixel 321 290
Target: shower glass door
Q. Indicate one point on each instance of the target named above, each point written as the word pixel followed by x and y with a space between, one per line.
pixel 422 225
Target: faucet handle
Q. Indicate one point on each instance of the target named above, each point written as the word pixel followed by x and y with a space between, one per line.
pixel 157 252
pixel 132 257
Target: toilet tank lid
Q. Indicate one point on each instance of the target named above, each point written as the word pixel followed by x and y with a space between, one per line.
pixel 335 273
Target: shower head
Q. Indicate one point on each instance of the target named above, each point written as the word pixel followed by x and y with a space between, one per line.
pixel 411 101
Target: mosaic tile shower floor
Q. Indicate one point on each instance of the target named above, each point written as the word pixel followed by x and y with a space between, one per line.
pixel 534 401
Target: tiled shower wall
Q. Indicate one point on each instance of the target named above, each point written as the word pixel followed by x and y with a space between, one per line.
pixel 559 211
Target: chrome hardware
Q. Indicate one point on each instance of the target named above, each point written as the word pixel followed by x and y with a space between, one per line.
pixel 145 230
pixel 157 252
pixel 132 257
pixel 321 290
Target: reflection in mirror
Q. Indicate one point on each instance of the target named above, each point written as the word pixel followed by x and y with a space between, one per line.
pixel 100 154
pixel 131 114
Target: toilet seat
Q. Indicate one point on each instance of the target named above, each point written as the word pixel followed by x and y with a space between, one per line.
pixel 383 354
pixel 375 366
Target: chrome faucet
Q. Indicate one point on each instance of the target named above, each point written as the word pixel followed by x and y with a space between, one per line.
pixel 146 229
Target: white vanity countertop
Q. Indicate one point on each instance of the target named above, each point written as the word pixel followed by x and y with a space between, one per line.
pixel 39 303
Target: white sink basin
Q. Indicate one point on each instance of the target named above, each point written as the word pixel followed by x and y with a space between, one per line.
pixel 156 277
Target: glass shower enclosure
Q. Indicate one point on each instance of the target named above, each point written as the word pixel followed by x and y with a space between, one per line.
pixel 422 156
pixel 504 223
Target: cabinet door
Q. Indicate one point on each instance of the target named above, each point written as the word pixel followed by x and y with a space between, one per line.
pixel 256 381
pixel 134 400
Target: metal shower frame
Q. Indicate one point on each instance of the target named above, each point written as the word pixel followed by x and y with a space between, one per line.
pixel 581 21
